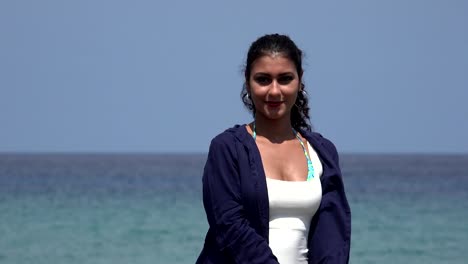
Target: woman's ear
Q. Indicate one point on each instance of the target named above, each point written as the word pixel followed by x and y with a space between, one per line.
pixel 247 88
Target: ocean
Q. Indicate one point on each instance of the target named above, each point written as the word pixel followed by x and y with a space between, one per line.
pixel 145 208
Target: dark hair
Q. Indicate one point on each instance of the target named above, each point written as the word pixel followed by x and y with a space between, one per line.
pixel 275 43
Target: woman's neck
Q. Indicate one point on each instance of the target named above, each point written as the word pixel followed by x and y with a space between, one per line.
pixel 276 131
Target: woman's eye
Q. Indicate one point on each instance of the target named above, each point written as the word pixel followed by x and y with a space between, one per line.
pixel 285 79
pixel 262 80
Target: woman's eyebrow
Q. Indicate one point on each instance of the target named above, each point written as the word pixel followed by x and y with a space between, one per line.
pixel 286 73
pixel 268 74
pixel 261 74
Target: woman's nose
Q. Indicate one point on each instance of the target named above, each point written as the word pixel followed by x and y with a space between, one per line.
pixel 274 88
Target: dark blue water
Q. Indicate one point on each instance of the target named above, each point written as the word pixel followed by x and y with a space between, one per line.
pixel 148 209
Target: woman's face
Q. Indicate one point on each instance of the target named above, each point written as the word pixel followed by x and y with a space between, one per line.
pixel 273 86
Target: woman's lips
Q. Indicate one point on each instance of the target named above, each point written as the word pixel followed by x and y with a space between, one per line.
pixel 274 104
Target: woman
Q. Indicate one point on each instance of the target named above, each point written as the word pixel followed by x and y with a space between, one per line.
pixel 272 189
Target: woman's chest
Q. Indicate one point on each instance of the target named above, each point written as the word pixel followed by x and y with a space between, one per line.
pixel 285 162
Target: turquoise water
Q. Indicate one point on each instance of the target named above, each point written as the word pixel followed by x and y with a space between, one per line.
pixel 148 209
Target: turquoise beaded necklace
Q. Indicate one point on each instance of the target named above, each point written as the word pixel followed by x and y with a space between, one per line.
pixel 310 167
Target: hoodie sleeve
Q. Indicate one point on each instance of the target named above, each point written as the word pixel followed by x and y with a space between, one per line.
pixel 329 241
pixel 222 200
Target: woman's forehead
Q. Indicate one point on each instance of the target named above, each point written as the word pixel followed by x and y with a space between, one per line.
pixel 273 63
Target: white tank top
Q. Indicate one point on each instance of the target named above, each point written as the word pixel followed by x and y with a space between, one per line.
pixel 292 206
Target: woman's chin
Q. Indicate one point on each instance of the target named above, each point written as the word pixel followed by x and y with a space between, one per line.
pixel 274 115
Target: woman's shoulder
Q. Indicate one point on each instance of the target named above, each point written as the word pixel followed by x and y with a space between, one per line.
pixel 227 144
pixel 317 138
pixel 230 136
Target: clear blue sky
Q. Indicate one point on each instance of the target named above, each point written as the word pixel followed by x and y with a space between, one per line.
pixel 165 76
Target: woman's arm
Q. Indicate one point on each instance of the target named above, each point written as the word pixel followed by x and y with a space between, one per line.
pixel 331 233
pixel 223 205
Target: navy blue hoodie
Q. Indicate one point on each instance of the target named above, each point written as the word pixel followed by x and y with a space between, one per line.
pixel 235 197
